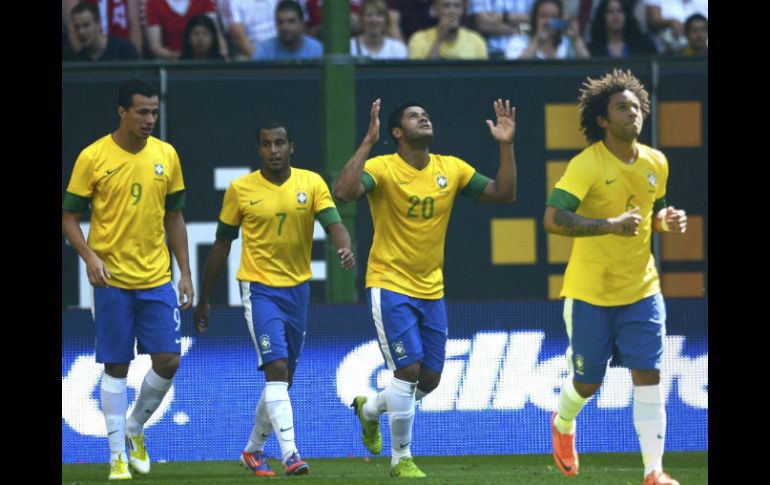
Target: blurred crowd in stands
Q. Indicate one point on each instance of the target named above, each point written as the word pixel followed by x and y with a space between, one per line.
pixel 243 30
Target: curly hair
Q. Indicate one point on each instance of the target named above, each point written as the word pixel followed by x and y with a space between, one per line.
pixel 595 97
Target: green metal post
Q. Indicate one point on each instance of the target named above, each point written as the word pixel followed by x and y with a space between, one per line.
pixel 338 133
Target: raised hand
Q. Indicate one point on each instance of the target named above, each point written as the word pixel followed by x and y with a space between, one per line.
pixel 505 128
pixel 373 133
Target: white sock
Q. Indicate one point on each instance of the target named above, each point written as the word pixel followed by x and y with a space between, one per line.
pixel 650 424
pixel 400 399
pixel 570 404
pixel 114 406
pixel 276 396
pixel 154 388
pixel 262 428
pixel 374 407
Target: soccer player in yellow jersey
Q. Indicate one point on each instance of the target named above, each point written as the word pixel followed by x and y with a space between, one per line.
pixel 276 206
pixel 610 199
pixel 134 185
pixel 411 193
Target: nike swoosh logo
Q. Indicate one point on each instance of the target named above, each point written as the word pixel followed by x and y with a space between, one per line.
pixel 112 172
pixel 404 445
pixel 609 181
pixel 112 432
pixel 252 202
pixel 660 437
pixel 179 340
pixel 286 429
pixel 566 468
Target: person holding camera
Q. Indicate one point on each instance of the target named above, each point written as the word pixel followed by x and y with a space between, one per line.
pixel 550 35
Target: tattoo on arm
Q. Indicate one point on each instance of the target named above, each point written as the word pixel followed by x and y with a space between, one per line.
pixel 576 226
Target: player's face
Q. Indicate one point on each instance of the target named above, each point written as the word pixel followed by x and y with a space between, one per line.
pixel 289 26
pixel 624 116
pixel 275 149
pixel 140 118
pixel 86 28
pixel 416 125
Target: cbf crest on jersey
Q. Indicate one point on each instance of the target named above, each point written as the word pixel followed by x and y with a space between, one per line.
pixel 264 343
pixel 158 169
pixel 441 181
pixel 301 197
pixel 651 179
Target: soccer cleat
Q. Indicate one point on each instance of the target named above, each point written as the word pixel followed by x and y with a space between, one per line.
pixel 406 468
pixel 119 468
pixel 295 465
pixel 656 477
pixel 371 436
pixel 137 454
pixel 564 452
pixel 257 463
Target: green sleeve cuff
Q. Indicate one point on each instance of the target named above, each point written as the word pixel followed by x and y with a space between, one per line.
pixel 75 203
pixel 475 186
pixel 368 181
pixel 328 216
pixel 561 199
pixel 658 205
pixel 176 201
pixel 226 232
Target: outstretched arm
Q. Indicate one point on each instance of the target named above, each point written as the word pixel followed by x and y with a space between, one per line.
pixel 177 237
pixel 502 189
pixel 566 223
pixel 341 240
pixel 348 186
pixel 216 260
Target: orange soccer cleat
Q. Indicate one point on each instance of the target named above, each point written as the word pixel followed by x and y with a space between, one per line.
pixel 564 453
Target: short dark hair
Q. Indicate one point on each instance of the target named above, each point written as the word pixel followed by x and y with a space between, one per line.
pixel 135 86
pixel 86 7
pixel 595 97
pixel 290 5
pixel 395 117
pixel 694 18
pixel 272 125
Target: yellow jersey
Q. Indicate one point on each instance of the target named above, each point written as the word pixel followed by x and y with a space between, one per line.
pixel 129 195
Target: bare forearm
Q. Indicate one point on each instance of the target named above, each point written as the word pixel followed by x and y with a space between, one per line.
pixel 177 237
pixel 214 264
pixel 567 223
pixel 348 182
pixel 493 24
pixel 340 236
pixel 506 174
pixel 71 229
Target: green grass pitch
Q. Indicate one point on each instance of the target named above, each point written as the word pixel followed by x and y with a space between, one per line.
pixel 690 468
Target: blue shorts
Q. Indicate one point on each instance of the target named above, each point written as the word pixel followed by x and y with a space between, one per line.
pixel 277 320
pixel 632 335
pixel 150 316
pixel 409 329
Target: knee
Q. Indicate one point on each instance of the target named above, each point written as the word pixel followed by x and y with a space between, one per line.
pixel 165 365
pixel 277 370
pixel 427 385
pixel 586 390
pixel 410 373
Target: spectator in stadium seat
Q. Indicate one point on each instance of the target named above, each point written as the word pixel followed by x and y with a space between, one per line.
pixel 248 22
pixel 314 24
pixel 615 32
pixel 665 18
pixel 96 46
pixel 499 21
pixel 291 41
pixel 119 18
pixel 550 35
pixel 696 29
pixel 134 186
pixel 448 39
pixel 610 199
pixel 277 206
pixel 411 193
pixel 200 40
pixel 374 41
pixel 166 20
